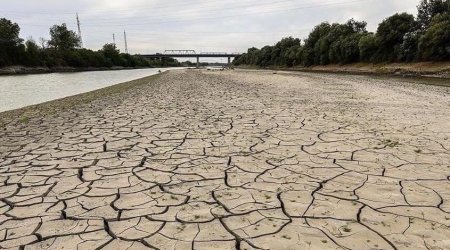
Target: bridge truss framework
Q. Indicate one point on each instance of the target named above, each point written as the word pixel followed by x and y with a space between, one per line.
pixel 176 53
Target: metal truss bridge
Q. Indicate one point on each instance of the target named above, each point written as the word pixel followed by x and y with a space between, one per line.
pixel 192 54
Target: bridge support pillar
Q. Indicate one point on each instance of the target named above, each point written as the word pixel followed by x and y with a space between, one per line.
pixel 229 61
pixel 198 62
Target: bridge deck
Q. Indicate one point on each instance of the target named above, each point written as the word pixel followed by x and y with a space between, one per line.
pixel 190 55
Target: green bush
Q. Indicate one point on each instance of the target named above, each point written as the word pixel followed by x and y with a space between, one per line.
pixel 435 43
pixel 64 51
pixel 399 38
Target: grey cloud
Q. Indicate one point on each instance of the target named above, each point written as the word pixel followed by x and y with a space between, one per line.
pixel 227 25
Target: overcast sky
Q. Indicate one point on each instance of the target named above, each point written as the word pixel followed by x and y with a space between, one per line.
pixel 206 25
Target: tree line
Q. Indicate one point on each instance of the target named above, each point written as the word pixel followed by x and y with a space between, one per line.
pixel 63 49
pixel 399 38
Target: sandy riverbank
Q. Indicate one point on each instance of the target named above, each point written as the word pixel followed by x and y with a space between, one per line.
pixel 39 111
pixel 422 69
pixel 225 159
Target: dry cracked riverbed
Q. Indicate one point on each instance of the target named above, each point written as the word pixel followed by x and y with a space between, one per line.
pixel 233 160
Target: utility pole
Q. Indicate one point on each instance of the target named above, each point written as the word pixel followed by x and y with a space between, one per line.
pixel 79 31
pixel 125 38
pixel 114 40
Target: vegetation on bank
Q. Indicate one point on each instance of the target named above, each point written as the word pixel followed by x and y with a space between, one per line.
pixel 64 50
pixel 399 38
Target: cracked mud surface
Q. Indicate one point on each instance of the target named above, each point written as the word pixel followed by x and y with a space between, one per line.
pixel 234 160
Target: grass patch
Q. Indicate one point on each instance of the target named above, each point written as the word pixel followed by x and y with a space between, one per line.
pixel 346 229
pixel 24 119
pixel 390 143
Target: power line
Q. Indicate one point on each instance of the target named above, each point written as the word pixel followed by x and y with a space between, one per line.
pixel 258 4
pixel 238 15
pixel 98 18
pixel 112 24
pixel 173 5
pixel 273 9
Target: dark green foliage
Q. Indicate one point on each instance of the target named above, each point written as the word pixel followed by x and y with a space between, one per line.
pixel 32 53
pixel 63 39
pixel 315 45
pixel 10 43
pixel 282 53
pixel 390 34
pixel 336 43
pixel 409 47
pixel 435 43
pixel 428 9
pixel 342 41
pixel 63 51
pixel 399 38
pixel 112 54
pixel 368 45
pixel 9 33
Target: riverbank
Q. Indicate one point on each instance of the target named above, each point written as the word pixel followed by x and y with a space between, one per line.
pixel 22 70
pixel 233 159
pixel 23 115
pixel 423 69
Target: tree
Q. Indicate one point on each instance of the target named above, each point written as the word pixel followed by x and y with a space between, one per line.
pixel 60 51
pixel 349 48
pixel 32 52
pixel 428 9
pixel 253 56
pixel 357 26
pixel 9 42
pixel 435 43
pixel 292 57
pixel 43 42
pixel 9 33
pixel 368 46
pixel 314 46
pixel 63 39
pixel 390 34
pixel 409 47
pixel 110 50
pixel 282 49
pixel 399 37
pixel 343 41
pixel 31 46
pixel 266 56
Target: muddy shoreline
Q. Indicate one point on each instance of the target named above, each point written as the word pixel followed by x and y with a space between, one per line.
pixel 21 70
pixel 23 115
pixel 411 70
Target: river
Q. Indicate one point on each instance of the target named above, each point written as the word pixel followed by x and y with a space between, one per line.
pixel 18 91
